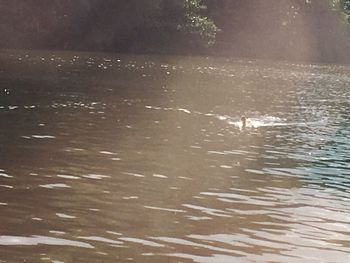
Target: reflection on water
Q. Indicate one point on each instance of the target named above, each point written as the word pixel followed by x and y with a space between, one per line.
pixel 115 158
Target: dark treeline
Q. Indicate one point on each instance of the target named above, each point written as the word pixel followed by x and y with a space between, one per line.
pixel 312 30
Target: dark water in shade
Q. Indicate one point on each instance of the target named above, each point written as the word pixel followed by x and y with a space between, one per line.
pixel 115 158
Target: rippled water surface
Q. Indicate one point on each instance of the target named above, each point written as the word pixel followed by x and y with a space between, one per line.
pixel 115 158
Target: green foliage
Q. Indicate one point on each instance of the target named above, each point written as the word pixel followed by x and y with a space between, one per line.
pixel 344 7
pixel 109 24
pixel 259 28
pixel 175 24
pixel 198 25
pixel 345 4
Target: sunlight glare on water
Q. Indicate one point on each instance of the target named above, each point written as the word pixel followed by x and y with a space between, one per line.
pixel 118 158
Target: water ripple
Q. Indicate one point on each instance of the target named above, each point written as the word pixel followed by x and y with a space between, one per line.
pixel 36 240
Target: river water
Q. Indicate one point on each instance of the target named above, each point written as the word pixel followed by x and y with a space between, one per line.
pixel 119 158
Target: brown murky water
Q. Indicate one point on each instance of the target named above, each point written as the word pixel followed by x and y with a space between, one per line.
pixel 115 158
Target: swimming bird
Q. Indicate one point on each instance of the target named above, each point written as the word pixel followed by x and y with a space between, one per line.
pixel 244 122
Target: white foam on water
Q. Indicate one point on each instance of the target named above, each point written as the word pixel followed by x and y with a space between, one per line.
pixel 68 176
pixel 61 215
pixel 141 241
pixel 134 174
pixel 43 137
pixel 160 176
pixel 96 176
pixel 184 110
pixel 100 239
pixel 36 240
pixel 5 175
pixel 108 153
pixel 256 122
pixel 51 186
pixel 268 121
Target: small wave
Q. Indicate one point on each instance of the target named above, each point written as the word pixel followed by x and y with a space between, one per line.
pixel 262 121
pixel 269 121
pixel 37 240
